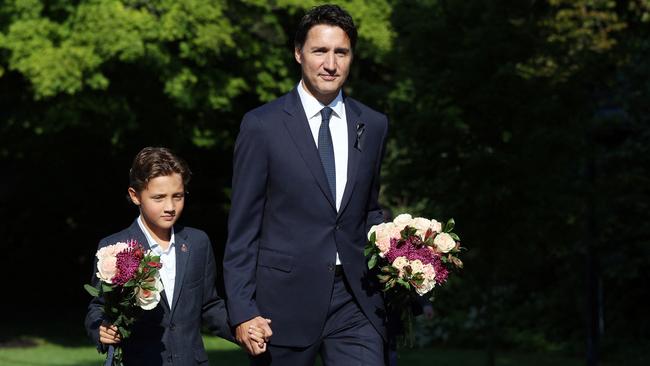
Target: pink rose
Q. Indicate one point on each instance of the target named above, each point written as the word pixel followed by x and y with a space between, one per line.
pixel 106 261
pixel 148 299
pixel 383 233
pixel 429 280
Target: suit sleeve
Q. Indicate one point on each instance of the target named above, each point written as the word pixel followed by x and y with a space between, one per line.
pixel 95 313
pixel 375 215
pixel 250 171
pixel 213 311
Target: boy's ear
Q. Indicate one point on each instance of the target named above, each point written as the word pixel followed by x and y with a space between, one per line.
pixel 134 196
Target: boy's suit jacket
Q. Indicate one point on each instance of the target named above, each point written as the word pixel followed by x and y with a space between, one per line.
pixel 284 229
pixel 161 335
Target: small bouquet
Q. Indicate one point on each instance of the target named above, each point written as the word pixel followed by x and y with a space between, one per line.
pixel 129 281
pixel 414 255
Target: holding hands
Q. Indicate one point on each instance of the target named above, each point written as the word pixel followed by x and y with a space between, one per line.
pixel 253 335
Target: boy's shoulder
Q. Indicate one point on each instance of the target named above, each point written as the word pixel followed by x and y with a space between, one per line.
pixel 190 232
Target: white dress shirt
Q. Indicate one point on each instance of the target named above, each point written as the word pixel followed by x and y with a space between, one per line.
pixel 167 258
pixel 338 129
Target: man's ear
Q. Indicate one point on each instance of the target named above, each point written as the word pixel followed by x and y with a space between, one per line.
pixel 297 53
pixel 134 196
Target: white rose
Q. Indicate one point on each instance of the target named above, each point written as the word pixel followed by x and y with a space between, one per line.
pixel 148 299
pixel 436 226
pixel 373 229
pixel 417 266
pixel 107 260
pixel 400 263
pixel 421 225
pixel 403 220
pixel 425 287
pixel 444 242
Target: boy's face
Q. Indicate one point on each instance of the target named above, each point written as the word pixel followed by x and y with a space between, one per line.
pixel 161 202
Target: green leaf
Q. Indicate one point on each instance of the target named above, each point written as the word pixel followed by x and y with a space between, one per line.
pixel 450 225
pixel 91 290
pixel 404 283
pixel 369 249
pixel 373 237
pixel 372 262
pixel 454 236
pixel 106 287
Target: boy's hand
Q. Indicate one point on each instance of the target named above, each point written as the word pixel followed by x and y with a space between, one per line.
pixel 253 335
pixel 108 334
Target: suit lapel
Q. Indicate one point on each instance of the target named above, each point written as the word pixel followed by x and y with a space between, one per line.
pixel 353 116
pixel 298 127
pixel 182 248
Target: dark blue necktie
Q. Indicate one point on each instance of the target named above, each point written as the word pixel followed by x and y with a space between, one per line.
pixel 326 149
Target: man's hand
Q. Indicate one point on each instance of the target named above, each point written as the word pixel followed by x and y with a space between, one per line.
pixel 253 335
pixel 108 334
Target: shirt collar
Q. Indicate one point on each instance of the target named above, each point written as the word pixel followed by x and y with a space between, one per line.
pixel 152 243
pixel 312 106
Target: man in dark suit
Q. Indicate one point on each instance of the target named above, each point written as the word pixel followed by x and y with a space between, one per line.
pixel 304 194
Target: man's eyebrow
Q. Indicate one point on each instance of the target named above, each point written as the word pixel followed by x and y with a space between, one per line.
pixel 342 49
pixel 319 48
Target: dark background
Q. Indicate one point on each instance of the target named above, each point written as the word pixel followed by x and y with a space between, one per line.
pixel 526 121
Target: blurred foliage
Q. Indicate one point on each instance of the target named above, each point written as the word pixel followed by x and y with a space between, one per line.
pixel 497 110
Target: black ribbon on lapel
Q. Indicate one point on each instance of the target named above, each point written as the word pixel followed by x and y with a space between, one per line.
pixel 360 128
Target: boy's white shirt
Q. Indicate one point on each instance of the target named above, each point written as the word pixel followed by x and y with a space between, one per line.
pixel 167 258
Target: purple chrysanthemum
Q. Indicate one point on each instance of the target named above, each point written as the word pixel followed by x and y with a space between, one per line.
pixel 127 263
pixel 441 270
pixel 410 250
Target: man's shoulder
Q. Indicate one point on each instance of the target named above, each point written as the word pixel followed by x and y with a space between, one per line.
pixel 267 110
pixel 365 111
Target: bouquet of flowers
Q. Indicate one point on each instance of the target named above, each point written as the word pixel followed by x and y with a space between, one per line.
pixel 129 281
pixel 414 256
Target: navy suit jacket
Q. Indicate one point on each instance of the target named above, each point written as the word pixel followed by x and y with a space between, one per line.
pixel 284 229
pixel 160 335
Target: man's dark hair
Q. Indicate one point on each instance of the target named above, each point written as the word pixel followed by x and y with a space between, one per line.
pixel 153 162
pixel 327 14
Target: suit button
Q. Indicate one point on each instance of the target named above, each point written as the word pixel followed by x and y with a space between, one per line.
pixel 172 327
pixel 330 267
pixel 169 359
pixel 338 227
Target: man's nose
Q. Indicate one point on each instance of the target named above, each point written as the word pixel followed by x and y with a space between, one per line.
pixel 330 62
pixel 170 205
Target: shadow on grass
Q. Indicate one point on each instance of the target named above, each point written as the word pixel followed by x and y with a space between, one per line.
pixel 64 327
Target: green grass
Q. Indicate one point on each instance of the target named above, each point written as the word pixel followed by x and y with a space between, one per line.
pixel 221 352
pixel 62 342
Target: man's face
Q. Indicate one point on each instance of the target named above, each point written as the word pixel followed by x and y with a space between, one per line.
pixel 325 60
pixel 161 202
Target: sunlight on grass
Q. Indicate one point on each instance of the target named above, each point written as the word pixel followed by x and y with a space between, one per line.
pixel 222 353
pixel 45 353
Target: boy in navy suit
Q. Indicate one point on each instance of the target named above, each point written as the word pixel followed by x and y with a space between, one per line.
pixel 170 333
